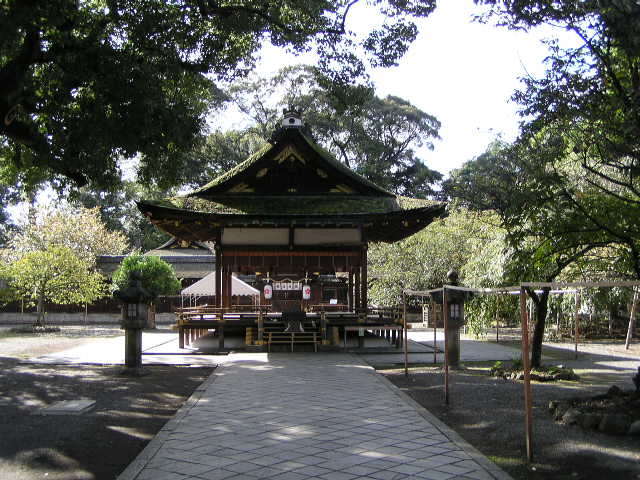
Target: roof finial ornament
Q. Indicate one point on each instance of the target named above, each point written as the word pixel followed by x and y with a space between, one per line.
pixel 292 118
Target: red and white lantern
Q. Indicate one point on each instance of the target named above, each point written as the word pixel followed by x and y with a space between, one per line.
pixel 268 291
pixel 306 292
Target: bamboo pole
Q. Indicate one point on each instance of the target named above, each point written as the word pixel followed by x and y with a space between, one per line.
pixel 404 322
pixel 528 417
pixel 445 316
pixel 576 329
pixel 632 319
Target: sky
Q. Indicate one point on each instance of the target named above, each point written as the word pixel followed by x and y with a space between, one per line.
pixel 460 71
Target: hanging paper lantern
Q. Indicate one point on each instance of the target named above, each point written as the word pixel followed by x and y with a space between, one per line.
pixel 268 291
pixel 306 292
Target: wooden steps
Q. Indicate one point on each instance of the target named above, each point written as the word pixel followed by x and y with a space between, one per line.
pixel 276 335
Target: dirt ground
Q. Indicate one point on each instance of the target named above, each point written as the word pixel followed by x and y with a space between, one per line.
pixel 488 413
pixel 99 444
pixel 95 445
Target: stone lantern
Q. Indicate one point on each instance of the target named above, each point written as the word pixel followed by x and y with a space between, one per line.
pixel 135 300
pixel 455 305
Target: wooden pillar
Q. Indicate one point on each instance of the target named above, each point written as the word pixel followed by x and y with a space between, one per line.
pixel 526 363
pixel 218 292
pixel 350 291
pixel 357 289
pixel 223 286
pixel 363 280
pixel 228 285
pixel 260 340
pixel 434 315
pixel 404 328
pixel 221 333
pixel 445 316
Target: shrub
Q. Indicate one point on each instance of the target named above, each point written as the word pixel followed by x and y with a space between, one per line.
pixel 156 275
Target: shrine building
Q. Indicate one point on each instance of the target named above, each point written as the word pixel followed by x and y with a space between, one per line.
pixel 296 221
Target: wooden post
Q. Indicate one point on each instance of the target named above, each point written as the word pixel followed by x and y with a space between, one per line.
pixel 356 300
pixel 435 330
pixel 223 286
pixel 576 329
pixel 404 327
pixel 350 292
pixel 632 319
pixel 218 293
pixel 260 340
pixel 497 325
pixel 526 362
pixel 229 287
pixel 220 316
pixel 363 280
pixel 445 316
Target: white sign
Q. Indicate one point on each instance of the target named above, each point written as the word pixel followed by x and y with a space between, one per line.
pixel 268 291
pixel 287 286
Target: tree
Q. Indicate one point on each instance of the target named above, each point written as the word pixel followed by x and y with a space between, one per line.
pixel 78 229
pixel 52 257
pixel 6 225
pixel 547 207
pixel 84 84
pixel 380 138
pixel 55 274
pixel 155 275
pixel 118 212
pixel 422 261
pixel 583 115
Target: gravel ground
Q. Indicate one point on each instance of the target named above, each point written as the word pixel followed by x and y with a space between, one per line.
pixel 95 445
pixel 488 413
pixel 20 345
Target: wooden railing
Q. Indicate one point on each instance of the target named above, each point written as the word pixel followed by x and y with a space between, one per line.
pixel 194 322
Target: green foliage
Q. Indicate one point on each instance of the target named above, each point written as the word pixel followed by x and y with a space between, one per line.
pixel 422 261
pixel 156 275
pixel 52 257
pixel 516 364
pixel 119 213
pixel 54 274
pixel 84 84
pixel 383 139
pixel 580 140
pixel 78 229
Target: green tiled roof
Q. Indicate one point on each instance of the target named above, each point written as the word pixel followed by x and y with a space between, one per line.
pixel 292 134
pixel 294 204
pixel 242 166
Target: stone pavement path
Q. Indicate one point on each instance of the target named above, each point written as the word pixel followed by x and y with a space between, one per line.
pixel 305 416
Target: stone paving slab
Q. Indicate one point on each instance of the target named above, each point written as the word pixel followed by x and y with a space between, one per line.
pixel 302 416
pixel 471 350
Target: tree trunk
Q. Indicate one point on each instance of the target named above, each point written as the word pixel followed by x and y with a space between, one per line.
pixel 541 303
pixel 40 311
